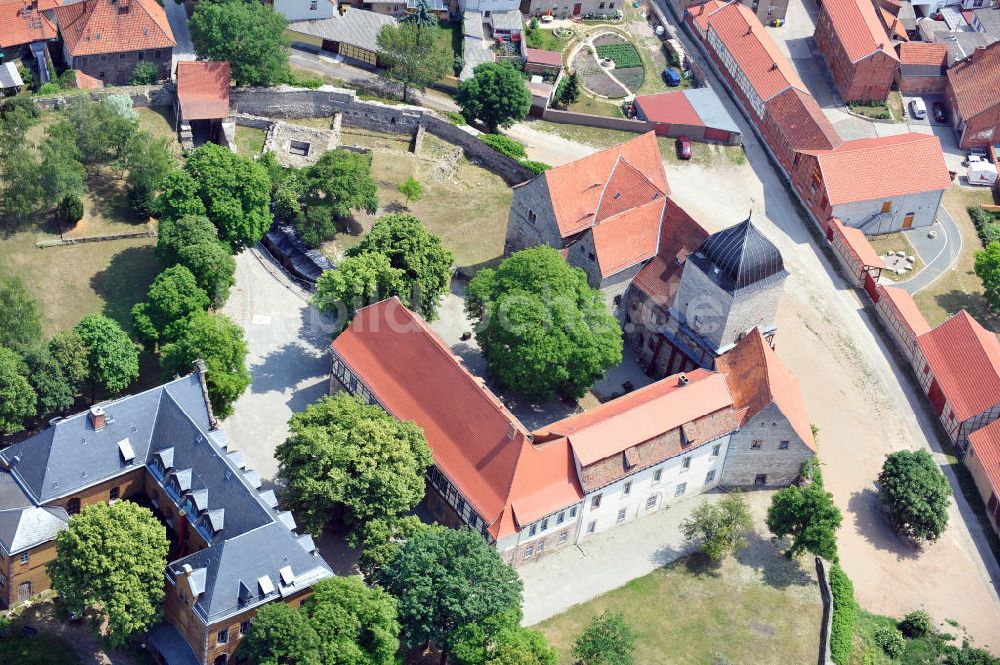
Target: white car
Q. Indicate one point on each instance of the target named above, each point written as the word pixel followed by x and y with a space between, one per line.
pixel 918 109
pixel 973 158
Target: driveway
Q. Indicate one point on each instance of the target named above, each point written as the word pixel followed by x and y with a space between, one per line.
pixel 178 20
pixel 944 253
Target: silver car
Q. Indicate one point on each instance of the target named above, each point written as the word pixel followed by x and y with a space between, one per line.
pixel 918 109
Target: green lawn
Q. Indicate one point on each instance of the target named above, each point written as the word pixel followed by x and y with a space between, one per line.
pixel 249 140
pixel 765 611
pixel 545 39
pixel 588 104
pixel 160 123
pixel 42 649
pixel 449 37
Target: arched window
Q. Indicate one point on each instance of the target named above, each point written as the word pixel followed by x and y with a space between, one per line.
pixel 73 506
pixel 24 592
pixel 220 660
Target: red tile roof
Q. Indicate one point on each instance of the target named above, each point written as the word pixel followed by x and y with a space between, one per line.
pixel 670 107
pixel 985 444
pixel 628 238
pixel 802 121
pixel 964 358
pixel 923 53
pixel 479 445
pixel 907 308
pixel 86 81
pixel 976 82
pixel 203 89
pixel 542 57
pixel 893 25
pixel 108 26
pixel 20 23
pixel 757 377
pixel 636 417
pixel 858 243
pixel 883 167
pixel 756 53
pixel 858 28
pixel 680 235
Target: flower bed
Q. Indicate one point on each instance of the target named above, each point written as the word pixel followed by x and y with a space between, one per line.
pixel 624 55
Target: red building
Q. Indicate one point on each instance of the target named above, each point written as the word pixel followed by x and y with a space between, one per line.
pixel 857 50
pixel 923 68
pixel 973 93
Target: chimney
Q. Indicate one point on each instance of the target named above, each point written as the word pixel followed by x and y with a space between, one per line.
pixel 98 418
pixel 682 379
pixel 201 371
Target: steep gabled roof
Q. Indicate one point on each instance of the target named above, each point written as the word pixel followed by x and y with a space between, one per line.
pixel 91 27
pixel 680 235
pixel 985 445
pixel 757 378
pixel 802 121
pixel 629 237
pixel 923 53
pixel 23 524
pixel 203 89
pixel 858 28
pixel 976 81
pixel 964 358
pixel 22 23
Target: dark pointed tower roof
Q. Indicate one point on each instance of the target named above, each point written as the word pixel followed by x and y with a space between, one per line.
pixel 740 258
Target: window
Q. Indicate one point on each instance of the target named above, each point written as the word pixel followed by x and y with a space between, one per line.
pixel 156 53
pixel 681 488
pixel 114 493
pixel 561 517
pixel 244 627
pixel 657 475
pixel 686 464
pixel 715 449
pixel 710 476
pixel 650 502
pixel 621 515
pixel 528 551
pixel 545 524
pixel 562 538
pixel 532 216
pixel 142 55
pixel 300 148
pixel 572 511
pixel 756 444
pixel 596 502
pixel 627 489
pixel 592 526
pixel 121 56
pixel 611 5
pixel 313 5
pixel 783 445
pixel 73 506
pixel 222 636
pixel 532 530
pixel 540 547
pixel 25 557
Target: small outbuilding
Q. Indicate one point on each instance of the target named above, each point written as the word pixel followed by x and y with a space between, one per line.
pixel 202 100
pixel 697 113
pixel 353 34
pixel 10 79
pixel 539 61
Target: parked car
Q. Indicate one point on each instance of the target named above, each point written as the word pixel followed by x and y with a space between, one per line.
pixel 683 147
pixel 918 109
pixel 940 112
pixel 974 158
pixel 672 77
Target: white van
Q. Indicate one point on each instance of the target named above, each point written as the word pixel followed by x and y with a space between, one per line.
pixel 918 109
pixel 982 173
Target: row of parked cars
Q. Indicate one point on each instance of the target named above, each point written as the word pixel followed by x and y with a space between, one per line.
pixel 918 110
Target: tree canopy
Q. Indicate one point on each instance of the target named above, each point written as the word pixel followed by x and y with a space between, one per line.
pixel 234 190
pixel 280 635
pixel 916 494
pixel 543 330
pixel 173 295
pixel 250 36
pixel 54 390
pixel 809 516
pixel 112 358
pixel 410 247
pixel 409 54
pixel 496 96
pixel 355 282
pixel 721 527
pixel 149 164
pixel 178 198
pixel 607 640
pixel 20 317
pixel 175 233
pixel 337 184
pixel 356 623
pixel 348 458
pixel 444 579
pixel 110 562
pixel 988 269
pixel 218 341
pixel 17 397
pixel 213 267
pixel 499 640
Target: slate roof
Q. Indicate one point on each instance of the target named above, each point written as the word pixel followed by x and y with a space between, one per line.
pixel 23 524
pixel 740 258
pixel 858 28
pixel 112 26
pixel 203 89
pixel 20 23
pixel 964 358
pixel 976 82
pixel 357 27
pixel 680 235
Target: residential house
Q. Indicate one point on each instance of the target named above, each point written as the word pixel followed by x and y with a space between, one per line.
pixel 973 93
pixel 602 212
pixel 25 32
pixel 305 10
pixel 696 113
pixel 106 39
pixel 532 493
pixel 958 366
pixel 923 68
pixel 877 185
pixel 232 548
pixel 352 34
pixel 768 12
pixel 983 461
pixel 857 49
pixel 571 9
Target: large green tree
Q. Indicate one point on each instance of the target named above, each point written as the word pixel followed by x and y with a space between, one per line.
pixel 496 96
pixel 337 184
pixel 499 640
pixel 916 494
pixel 55 391
pixel 543 330
pixel 809 516
pixel 409 54
pixel 20 317
pixel 105 131
pixel 988 269
pixel 109 564
pixel 356 623
pixel 176 233
pixel 213 267
pixel 281 635
pixel 719 528
pixel 607 640
pixel 381 538
pixel 235 191
pixel 350 459
pixel 149 163
pixel 178 198
pixel 69 352
pixel 173 295
pixel 61 171
pixel 112 358
pixel 444 579
pixel 17 397
pixel 218 341
pixel 355 282
pixel 248 35
pixel 410 247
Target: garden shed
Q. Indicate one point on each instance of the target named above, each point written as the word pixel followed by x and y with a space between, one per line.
pixel 696 113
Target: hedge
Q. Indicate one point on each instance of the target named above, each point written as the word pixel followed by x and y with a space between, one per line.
pixel 535 167
pixel 985 223
pixel 504 145
pixel 845 614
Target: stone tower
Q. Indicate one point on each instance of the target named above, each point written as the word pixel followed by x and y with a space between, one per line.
pixel 729 285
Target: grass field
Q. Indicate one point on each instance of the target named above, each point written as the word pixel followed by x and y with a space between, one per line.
pixel 160 123
pixel 249 140
pixel 960 287
pixel 762 609
pixel 546 40
pixel 593 106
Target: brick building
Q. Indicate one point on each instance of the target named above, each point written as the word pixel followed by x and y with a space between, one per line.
pixel 857 49
pixel 983 460
pixel 107 38
pixel 767 11
pixel 923 68
pixel 973 93
pixel 532 493
pixel 232 549
pixel 21 25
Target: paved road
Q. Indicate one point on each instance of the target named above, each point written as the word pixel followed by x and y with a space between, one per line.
pixel 937 265
pixel 177 18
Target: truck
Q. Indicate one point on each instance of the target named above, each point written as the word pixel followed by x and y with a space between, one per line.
pixel 982 173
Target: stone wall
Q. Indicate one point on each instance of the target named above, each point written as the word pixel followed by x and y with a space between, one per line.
pixel 476 151
pixel 142 95
pixel 779 466
pixel 603 122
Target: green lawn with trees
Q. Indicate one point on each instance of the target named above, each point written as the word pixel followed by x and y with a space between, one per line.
pixel 496 96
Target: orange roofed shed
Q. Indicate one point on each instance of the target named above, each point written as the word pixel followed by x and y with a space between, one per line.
pixel 203 90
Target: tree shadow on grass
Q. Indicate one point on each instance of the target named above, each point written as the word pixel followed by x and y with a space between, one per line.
pixel 871 522
pixel 125 281
pixel 777 570
pixel 974 303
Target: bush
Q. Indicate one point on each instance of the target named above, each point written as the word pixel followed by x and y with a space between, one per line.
pixel 845 613
pixel 26 75
pixel 70 210
pixel 890 640
pixel 504 145
pixel 67 80
pixel 989 233
pixel 916 624
pixel 986 224
pixel 49 88
pixel 311 82
pixel 456 118
pixel 535 167
pixel 145 73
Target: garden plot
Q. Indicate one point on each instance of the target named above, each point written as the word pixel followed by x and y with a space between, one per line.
pixel 629 68
pixel 593 77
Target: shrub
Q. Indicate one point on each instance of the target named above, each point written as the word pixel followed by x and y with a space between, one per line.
pixel 311 82
pixel 70 210
pixel 916 624
pixel 456 118
pixel 535 167
pixel 989 233
pixel 504 145
pixel 145 73
pixel 845 612
pixel 26 75
pixel 49 88
pixel 890 640
pixel 67 80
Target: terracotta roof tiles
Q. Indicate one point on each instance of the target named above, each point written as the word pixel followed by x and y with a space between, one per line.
pixel 858 28
pixel 985 444
pixel 976 81
pixel 91 27
pixel 21 23
pixel 923 53
pixel 203 89
pixel 964 358
pixel 802 122
pixel 907 308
